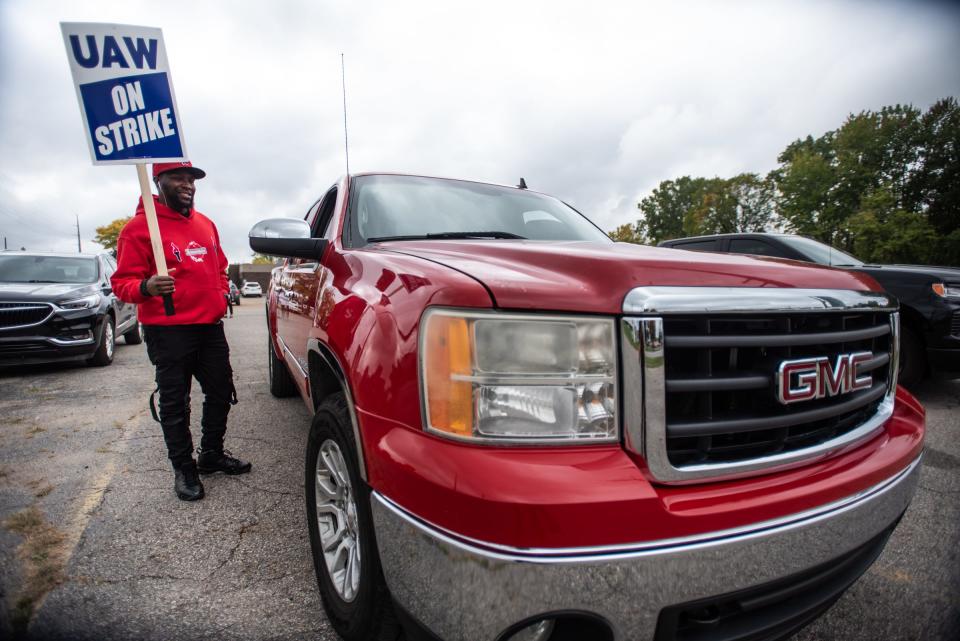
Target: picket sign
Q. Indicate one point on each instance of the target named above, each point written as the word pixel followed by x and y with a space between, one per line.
pixel 128 106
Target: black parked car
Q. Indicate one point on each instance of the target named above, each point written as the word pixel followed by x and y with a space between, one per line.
pixel 929 296
pixel 61 307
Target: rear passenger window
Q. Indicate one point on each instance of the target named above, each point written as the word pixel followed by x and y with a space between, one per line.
pixel 699 245
pixel 755 247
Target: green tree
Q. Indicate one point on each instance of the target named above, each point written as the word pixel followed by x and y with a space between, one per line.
pixel 627 233
pixel 744 203
pixel 934 186
pixel 884 232
pixel 823 182
pixel 885 185
pixel 665 209
pixel 261 259
pixel 109 233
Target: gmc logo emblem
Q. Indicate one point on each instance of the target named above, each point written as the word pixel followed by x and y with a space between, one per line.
pixel 809 378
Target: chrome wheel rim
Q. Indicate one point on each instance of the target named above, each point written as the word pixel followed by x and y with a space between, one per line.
pixel 108 336
pixel 337 520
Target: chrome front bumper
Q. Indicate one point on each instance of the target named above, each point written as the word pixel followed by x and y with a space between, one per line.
pixel 469 591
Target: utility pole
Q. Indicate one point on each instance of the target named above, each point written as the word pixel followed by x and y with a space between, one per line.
pixel 79 248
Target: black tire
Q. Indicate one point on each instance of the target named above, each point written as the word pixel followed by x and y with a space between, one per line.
pixel 367 613
pixel 108 343
pixel 134 336
pixel 282 384
pixel 913 362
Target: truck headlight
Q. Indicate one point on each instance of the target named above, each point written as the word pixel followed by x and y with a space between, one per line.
pixel 947 290
pixel 517 378
pixel 87 302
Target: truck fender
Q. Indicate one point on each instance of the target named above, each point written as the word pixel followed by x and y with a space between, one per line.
pixel 327 376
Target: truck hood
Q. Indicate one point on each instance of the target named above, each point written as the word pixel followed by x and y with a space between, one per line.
pixel 595 277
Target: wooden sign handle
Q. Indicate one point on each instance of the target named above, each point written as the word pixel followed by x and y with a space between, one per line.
pixel 154 228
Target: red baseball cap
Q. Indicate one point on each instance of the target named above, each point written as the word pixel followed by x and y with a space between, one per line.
pixel 161 167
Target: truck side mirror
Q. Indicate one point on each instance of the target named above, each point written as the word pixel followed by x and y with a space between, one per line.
pixel 287 238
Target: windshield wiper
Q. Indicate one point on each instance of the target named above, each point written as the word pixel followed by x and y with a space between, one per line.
pixel 450 235
pixel 42 281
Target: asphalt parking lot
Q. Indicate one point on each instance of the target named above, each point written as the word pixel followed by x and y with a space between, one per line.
pixel 95 545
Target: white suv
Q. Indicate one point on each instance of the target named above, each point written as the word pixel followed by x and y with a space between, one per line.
pixel 251 289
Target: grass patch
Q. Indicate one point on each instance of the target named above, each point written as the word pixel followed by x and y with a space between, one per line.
pixel 43 491
pixel 36 429
pixel 103 449
pixel 43 558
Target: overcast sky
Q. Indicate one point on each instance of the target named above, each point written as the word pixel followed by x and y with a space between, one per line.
pixel 593 102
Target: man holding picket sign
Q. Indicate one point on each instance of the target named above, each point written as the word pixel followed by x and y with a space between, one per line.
pixel 129 110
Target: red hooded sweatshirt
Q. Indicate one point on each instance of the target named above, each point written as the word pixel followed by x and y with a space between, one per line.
pixel 194 257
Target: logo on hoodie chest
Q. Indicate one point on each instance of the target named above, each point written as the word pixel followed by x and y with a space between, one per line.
pixel 176 252
pixel 196 251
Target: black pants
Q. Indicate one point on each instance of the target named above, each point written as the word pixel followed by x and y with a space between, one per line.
pixel 180 354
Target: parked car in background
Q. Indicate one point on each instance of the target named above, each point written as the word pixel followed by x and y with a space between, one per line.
pixel 61 307
pixel 523 430
pixel 929 296
pixel 234 293
pixel 251 288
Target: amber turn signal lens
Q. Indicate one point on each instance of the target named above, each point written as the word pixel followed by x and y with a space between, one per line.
pixel 450 401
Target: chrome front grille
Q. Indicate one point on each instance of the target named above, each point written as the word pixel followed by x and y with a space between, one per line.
pixel 955 325
pixel 16 314
pixel 708 364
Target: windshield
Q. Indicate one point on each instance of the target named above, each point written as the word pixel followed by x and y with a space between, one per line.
pixel 820 253
pixel 404 207
pixel 48 269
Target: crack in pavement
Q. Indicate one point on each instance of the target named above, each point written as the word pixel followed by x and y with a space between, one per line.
pixel 263 489
pixel 930 489
pixel 146 577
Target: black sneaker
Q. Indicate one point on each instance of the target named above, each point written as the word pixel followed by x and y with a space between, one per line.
pixel 211 461
pixel 186 482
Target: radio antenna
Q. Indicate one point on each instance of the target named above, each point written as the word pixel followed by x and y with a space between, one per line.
pixel 346 146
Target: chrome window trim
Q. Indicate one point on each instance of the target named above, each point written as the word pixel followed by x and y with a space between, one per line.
pixel 648 437
pixel 29 306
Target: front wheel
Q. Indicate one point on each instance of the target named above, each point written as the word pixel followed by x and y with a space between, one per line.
pixel 345 558
pixel 108 341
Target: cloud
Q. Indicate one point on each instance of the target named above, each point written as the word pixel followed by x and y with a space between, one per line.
pixel 595 104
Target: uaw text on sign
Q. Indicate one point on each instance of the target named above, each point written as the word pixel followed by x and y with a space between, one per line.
pixel 126 94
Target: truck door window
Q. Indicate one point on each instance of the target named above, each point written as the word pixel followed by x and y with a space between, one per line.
pixel 755 247
pixel 318 217
pixel 699 245
pixel 325 213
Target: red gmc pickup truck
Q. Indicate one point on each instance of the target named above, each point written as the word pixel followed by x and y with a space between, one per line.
pixel 523 431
